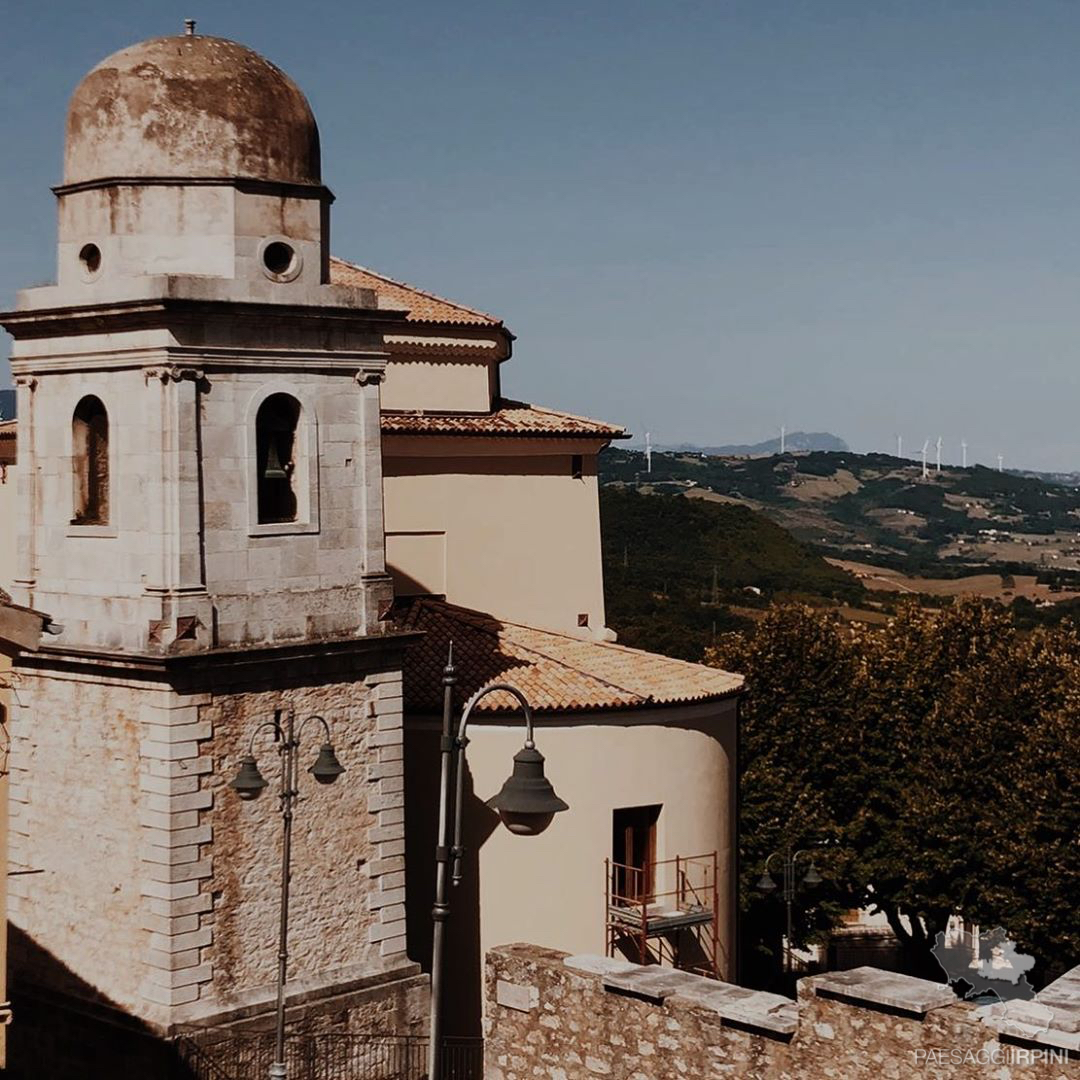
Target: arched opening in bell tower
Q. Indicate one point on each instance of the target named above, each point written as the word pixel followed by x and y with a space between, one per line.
pixel 275 448
pixel 90 462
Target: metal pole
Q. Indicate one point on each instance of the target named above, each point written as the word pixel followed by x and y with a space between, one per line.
pixel 288 791
pixel 789 896
pixel 441 909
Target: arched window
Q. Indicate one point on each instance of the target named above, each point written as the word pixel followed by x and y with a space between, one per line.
pixel 90 461
pixel 275 458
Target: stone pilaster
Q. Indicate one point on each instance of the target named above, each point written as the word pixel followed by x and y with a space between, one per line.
pixel 25 563
pixel 174 850
pixel 386 802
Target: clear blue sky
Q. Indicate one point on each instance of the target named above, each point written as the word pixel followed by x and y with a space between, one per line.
pixel 706 218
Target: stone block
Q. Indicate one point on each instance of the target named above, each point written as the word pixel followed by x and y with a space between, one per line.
pixel 173 978
pixel 867 985
pixel 199 834
pixel 173 804
pixel 168 890
pixel 386 898
pixel 161 924
pixel 167 751
pixel 168 961
pixel 382 931
pixel 392 946
pixel 168 785
pixel 193 871
pixel 194 939
pixel 188 905
pixel 169 856
pixel 162 995
pixel 155 819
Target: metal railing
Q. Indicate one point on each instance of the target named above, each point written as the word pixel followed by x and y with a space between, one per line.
pixel 665 911
pixel 326 1056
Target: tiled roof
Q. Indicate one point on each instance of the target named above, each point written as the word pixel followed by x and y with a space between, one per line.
pixel 422 306
pixel 509 418
pixel 556 672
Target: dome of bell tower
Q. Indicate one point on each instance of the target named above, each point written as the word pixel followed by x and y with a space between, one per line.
pixel 190 107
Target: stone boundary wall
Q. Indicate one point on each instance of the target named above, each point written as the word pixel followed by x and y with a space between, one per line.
pixel 558 1017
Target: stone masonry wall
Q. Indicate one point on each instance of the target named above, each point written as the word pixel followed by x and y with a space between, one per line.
pixel 77 907
pixel 550 1021
pixel 153 888
pixel 347 897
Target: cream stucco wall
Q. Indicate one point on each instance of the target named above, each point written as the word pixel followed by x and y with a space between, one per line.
pixel 445 385
pixel 515 535
pixel 549 890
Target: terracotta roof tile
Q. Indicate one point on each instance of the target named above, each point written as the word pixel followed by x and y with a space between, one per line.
pixel 556 672
pixel 422 306
pixel 509 418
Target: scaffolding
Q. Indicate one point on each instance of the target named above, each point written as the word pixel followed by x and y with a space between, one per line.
pixel 665 912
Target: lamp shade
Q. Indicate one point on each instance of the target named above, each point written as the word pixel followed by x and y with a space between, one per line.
pixel 527 802
pixel 812 876
pixel 766 883
pixel 327 768
pixel 248 782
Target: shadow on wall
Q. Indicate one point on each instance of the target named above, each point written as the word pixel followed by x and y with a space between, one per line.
pixel 74 1032
pixel 463 1006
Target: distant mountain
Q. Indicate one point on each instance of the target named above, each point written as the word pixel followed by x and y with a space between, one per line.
pixel 7 404
pixel 797 440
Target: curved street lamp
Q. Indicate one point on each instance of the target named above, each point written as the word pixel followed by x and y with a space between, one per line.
pixel 767 885
pixel 249 784
pixel 526 804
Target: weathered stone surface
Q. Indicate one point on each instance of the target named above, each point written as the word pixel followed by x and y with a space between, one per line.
pixel 873 986
pixel 581 1030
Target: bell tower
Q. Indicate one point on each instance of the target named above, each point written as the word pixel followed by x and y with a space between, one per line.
pixel 201 511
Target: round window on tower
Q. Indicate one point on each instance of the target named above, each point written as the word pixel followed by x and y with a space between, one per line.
pixel 280 260
pixel 90 261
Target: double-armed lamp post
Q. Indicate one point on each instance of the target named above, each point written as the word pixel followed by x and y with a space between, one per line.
pixel 249 784
pixel 767 885
pixel 526 804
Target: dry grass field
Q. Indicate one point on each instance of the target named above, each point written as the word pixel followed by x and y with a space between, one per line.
pixel 987 586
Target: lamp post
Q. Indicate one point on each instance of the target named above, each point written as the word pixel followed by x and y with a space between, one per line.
pixel 526 804
pixel 767 885
pixel 249 784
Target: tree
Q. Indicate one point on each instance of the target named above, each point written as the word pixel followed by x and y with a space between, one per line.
pixel 935 755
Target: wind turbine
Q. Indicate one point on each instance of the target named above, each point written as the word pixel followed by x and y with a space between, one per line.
pixel 939 453
pixel 899 446
pixel 783 439
pixel 963 451
pixel 1001 461
pixel 925 449
pixel 648 452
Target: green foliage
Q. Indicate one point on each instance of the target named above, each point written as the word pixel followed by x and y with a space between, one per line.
pixel 932 757
pixel 673 565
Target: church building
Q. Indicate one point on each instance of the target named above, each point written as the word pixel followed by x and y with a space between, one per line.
pixel 254 477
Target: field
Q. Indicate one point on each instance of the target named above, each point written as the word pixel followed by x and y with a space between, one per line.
pixel 984 586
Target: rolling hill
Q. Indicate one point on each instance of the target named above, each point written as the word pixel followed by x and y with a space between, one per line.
pixel 679 571
pixel 878 509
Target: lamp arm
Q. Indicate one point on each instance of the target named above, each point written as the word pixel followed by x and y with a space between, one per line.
pixel 774 855
pixel 459 760
pixel 490 689
pixel 304 724
pixel 273 725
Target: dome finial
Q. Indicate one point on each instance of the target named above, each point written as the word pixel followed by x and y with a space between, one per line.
pixel 189 27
